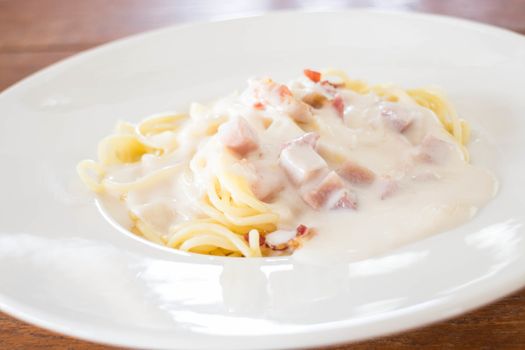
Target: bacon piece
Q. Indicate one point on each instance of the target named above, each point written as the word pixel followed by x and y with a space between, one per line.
pixel 339 106
pixel 433 150
pixel 258 105
pixel 282 239
pixel 312 75
pixel 356 173
pixel 396 117
pixel 301 162
pixel 278 240
pixel 284 92
pixel 302 233
pixel 301 230
pixel 238 136
pixel 331 193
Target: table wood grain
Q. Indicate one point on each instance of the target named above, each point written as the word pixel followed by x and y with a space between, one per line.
pixel 36 33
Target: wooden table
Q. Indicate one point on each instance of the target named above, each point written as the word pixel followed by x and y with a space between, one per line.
pixel 36 33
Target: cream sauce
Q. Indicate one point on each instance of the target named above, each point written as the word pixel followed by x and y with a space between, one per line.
pixel 410 198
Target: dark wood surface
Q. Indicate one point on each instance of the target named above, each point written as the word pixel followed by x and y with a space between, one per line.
pixel 36 33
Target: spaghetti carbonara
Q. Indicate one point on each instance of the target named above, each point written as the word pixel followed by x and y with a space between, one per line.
pixel 280 166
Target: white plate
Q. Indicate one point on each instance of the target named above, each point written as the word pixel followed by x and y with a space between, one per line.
pixel 63 267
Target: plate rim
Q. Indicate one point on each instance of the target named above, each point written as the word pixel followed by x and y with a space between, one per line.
pixel 460 304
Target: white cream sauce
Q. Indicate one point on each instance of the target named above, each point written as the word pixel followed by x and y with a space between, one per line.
pixel 427 197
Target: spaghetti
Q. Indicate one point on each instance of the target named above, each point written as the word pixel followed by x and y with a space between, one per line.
pixel 233 178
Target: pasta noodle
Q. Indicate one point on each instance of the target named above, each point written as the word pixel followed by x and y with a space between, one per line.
pixel 219 209
pixel 233 209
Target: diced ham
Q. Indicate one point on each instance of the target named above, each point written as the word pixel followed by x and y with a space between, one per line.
pixel 339 106
pixel 330 193
pixel 396 117
pixel 345 200
pixel 387 187
pixel 356 173
pixel 238 136
pixel 301 162
pixel 434 150
pixel 309 138
pixel 278 96
pixel 268 183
